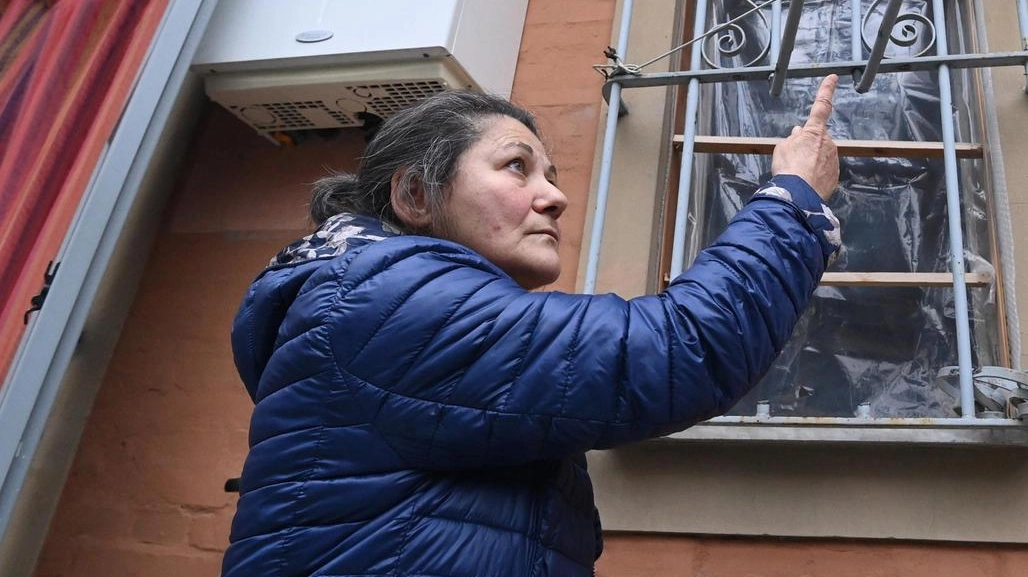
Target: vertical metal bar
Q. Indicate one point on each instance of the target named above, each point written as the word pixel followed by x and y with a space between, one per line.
pixel 692 103
pixel 1022 20
pixel 857 30
pixel 607 158
pixel 792 24
pixel 878 50
pixel 776 29
pixel 956 239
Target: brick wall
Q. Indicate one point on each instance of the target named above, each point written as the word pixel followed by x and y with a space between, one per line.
pixel 169 425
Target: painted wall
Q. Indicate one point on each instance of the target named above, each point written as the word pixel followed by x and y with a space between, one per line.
pixel 1012 109
pixel 168 426
pixel 669 556
pixel 145 497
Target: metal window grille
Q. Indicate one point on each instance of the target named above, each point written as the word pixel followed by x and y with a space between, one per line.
pixel 863 70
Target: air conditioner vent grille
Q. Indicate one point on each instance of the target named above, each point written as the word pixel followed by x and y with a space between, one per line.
pixel 333 106
pixel 330 96
pixel 389 99
pixel 292 115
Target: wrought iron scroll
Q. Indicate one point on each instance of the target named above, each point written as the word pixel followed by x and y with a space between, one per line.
pixel 910 29
pixel 732 40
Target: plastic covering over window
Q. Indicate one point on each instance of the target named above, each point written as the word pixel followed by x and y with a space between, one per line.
pixel 882 346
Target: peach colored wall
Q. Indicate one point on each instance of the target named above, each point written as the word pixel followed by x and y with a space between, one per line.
pixel 666 556
pixel 169 424
pixel 555 79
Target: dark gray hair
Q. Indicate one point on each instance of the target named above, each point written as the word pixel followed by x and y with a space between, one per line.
pixel 425 142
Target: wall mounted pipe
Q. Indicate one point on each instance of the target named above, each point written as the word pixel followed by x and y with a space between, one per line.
pixel 956 238
pixel 607 158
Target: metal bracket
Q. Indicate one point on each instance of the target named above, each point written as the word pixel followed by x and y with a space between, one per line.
pixel 38 300
pixel 611 73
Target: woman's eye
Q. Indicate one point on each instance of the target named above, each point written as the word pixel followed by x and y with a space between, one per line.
pixel 518 165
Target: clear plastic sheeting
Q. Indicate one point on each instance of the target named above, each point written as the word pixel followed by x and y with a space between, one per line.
pixel 880 346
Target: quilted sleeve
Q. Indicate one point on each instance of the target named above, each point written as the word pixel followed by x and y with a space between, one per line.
pixel 456 366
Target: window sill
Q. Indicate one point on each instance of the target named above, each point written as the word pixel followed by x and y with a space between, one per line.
pixel 954 431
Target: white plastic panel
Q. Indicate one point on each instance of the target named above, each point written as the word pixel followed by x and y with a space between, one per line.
pixel 487 41
pixel 244 31
pixel 481 37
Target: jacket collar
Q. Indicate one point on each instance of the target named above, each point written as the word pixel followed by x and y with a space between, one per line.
pixel 333 237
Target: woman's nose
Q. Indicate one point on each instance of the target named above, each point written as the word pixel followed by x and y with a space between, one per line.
pixel 551 200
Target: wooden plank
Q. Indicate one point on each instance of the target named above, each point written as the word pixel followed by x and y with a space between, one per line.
pixel 901 279
pixel 866 148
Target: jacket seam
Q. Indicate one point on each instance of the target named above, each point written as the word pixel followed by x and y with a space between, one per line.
pixel 816 231
pixel 251 343
pixel 620 395
pixel 776 274
pixel 289 540
pixel 500 528
pixel 522 353
pixel 337 478
pixel 669 363
pixel 407 531
pixel 500 412
pixel 763 311
pixel 568 359
pixel 331 312
pixel 460 381
pixel 731 314
pixel 421 346
pixel 401 299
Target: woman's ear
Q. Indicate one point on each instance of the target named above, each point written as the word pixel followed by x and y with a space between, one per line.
pixel 409 201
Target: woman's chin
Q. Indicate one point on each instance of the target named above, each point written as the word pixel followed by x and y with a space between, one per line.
pixel 536 277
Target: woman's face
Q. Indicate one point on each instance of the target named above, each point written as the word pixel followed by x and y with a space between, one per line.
pixel 504 203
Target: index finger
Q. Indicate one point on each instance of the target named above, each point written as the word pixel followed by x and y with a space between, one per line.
pixel 822 107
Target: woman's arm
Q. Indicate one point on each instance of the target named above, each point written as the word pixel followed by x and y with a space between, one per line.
pixel 456 366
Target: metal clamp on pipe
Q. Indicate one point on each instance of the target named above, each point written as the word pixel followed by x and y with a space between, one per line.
pixel 611 73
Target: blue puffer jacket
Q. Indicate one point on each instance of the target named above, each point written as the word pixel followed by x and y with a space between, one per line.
pixel 418 413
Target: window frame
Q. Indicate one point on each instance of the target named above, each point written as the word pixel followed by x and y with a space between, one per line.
pixel 966 429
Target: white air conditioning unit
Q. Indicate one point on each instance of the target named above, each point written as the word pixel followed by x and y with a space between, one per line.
pixel 284 65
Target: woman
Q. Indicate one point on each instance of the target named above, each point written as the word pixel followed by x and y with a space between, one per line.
pixel 420 412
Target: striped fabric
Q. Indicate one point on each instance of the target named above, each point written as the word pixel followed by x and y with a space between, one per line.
pixel 66 71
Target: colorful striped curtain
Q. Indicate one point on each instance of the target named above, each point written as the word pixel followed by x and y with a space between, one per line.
pixel 66 71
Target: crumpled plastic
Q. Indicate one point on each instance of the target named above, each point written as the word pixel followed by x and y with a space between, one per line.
pixel 880 346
